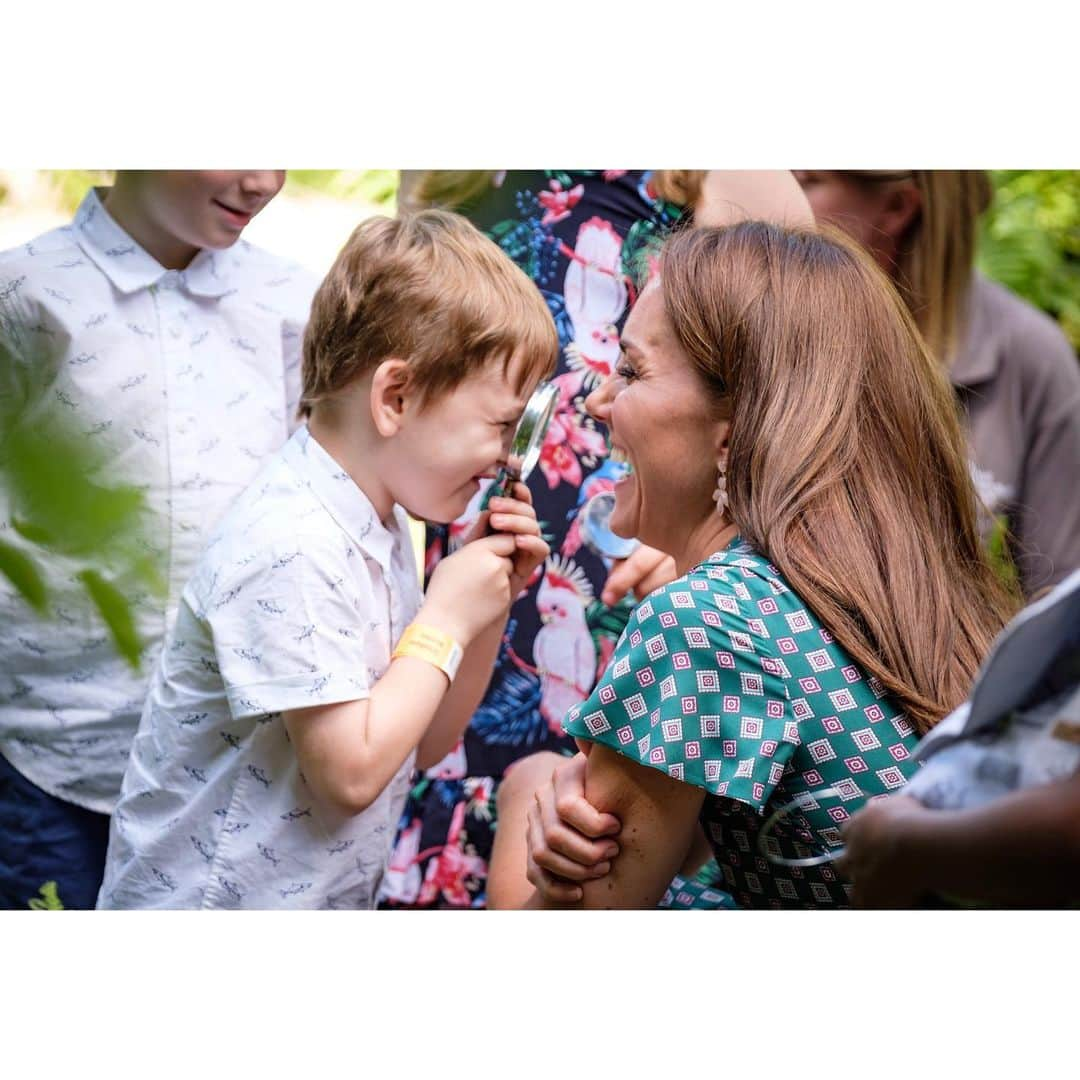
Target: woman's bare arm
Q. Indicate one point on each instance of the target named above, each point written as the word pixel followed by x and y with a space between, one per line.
pixel 659 816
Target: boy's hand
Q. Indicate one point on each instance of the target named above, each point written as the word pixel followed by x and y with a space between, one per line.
pixel 569 839
pixel 471 588
pixel 514 515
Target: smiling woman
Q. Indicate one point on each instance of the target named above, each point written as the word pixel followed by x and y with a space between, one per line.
pixel 797 450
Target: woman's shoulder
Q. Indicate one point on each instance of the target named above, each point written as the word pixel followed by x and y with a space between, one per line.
pixel 737 581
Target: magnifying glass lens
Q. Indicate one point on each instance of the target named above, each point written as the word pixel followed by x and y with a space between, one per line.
pixel 528 440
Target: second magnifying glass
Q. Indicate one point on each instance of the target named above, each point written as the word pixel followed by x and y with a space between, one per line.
pixel 594 521
pixel 803 802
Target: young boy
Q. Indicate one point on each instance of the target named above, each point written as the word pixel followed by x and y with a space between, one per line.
pixel 176 350
pixel 273 755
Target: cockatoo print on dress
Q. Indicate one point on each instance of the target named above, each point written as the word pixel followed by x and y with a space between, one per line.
pixel 563 649
pixel 570 437
pixel 595 295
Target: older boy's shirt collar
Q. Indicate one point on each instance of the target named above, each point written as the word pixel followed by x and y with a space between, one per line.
pixel 344 500
pixel 131 268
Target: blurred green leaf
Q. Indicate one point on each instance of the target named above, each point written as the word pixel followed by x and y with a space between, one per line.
pixel 61 500
pixel 49 899
pixel 116 613
pixel 21 571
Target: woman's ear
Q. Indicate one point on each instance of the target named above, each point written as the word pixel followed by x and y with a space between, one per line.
pixel 389 396
pixel 723 434
pixel 902 206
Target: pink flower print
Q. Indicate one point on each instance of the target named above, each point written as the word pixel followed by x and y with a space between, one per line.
pixel 567 437
pixel 557 203
pixel 558 464
pixel 611 175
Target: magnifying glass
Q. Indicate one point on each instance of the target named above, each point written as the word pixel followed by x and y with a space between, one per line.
pixel 528 441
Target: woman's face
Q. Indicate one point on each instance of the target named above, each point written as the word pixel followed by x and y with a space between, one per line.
pixel 876 215
pixel 661 421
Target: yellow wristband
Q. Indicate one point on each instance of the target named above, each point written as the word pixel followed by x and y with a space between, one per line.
pixel 434 646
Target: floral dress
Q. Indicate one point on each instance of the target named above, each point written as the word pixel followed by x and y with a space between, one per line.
pixel 725 679
pixel 588 241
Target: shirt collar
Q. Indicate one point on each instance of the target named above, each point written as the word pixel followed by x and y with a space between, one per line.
pixel 978 358
pixel 346 503
pixel 130 267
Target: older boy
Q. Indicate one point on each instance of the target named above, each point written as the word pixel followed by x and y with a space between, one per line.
pixel 176 349
pixel 303 676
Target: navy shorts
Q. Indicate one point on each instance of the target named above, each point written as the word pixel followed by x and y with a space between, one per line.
pixel 44 839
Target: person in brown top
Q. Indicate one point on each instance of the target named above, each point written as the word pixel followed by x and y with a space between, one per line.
pixel 1014 371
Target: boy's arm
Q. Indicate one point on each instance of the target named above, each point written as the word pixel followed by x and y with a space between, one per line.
pixel 461 700
pixel 516 516
pixel 1020 849
pixel 349 751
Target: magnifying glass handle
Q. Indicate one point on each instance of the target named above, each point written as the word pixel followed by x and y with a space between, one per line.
pixel 497 490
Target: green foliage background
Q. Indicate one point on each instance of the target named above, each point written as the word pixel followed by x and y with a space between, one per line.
pixel 1030 241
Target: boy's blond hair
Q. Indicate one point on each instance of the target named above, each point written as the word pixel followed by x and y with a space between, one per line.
pixel 431 289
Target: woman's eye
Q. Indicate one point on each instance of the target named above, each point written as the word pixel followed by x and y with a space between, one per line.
pixel 625 371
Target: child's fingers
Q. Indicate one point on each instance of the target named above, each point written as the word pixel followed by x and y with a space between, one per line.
pixel 534 547
pixel 514 523
pixel 521 492
pixel 512 506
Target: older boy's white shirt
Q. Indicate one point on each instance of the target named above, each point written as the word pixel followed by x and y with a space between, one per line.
pixel 189 380
pixel 297 602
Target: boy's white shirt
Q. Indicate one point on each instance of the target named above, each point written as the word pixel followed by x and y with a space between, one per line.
pixel 189 381
pixel 297 601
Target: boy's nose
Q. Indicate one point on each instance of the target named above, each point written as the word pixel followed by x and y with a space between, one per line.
pixel 262 182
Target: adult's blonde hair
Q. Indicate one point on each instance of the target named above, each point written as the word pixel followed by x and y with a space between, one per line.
pixel 451 188
pixel 936 255
pixel 431 289
pixel 847 466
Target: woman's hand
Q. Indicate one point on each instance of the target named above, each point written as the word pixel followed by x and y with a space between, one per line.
pixel 646 569
pixel 568 839
pixel 877 862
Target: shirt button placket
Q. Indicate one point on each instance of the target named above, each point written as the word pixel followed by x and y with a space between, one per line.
pixel 183 434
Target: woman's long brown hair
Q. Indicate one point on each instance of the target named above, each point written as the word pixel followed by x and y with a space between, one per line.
pixel 847 466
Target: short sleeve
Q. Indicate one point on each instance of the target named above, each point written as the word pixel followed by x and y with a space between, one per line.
pixel 693 690
pixel 296 626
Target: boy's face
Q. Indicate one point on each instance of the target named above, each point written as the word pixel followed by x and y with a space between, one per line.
pixel 458 439
pixel 206 208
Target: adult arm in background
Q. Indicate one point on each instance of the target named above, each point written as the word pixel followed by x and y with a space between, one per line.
pixel 1023 849
pixel 731 195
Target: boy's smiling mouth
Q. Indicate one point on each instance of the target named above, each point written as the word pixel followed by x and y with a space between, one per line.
pixel 239 217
